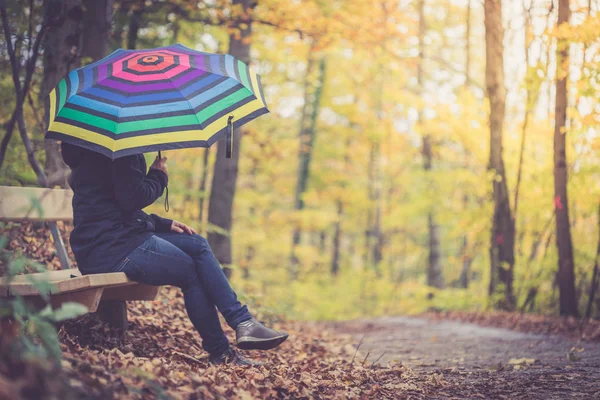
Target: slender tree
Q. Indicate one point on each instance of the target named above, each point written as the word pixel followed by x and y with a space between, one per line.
pixel 337 238
pixel 97 22
pixel 434 262
pixel 337 230
pixel 502 240
pixel 466 248
pixel 225 175
pixel 374 234
pixel 22 85
pixel 566 274
pixel 308 131
pixel 135 23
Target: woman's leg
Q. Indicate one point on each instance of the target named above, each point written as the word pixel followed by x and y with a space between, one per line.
pixel 158 262
pixel 211 275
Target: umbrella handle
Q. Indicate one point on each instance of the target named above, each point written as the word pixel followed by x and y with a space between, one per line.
pixel 229 137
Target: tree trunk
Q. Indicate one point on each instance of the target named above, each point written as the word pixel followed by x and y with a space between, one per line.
pixel 251 250
pixel 502 238
pixel 566 274
pixel 135 23
pixel 337 235
pixel 62 50
pixel 434 266
pixel 465 253
pixel 374 232
pixel 97 22
pixel 467 260
pixel 308 131
pixel 220 207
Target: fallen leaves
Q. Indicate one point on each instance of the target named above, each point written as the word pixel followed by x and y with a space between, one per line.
pixel 519 363
pixel 572 354
pixel 161 356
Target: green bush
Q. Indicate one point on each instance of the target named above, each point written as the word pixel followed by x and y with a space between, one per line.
pixel 35 335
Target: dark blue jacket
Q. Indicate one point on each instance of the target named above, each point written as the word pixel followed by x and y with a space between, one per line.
pixel 107 206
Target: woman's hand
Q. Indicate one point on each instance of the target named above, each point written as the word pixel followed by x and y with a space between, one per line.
pixel 180 227
pixel 161 164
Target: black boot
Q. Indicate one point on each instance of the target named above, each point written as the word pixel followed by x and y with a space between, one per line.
pixel 253 335
pixel 232 356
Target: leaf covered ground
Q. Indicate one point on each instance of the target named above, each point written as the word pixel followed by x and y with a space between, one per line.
pixel 160 355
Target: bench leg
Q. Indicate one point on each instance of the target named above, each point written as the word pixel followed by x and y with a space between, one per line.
pixel 60 246
pixel 114 313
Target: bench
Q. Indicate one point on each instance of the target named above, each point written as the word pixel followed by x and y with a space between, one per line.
pixel 103 293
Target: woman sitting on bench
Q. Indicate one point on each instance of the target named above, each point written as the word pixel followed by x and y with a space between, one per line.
pixel 112 234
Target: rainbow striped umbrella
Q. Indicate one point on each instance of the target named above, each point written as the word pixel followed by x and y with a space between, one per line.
pixel 136 101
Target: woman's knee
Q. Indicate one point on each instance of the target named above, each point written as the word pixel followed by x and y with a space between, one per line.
pixel 200 244
pixel 201 240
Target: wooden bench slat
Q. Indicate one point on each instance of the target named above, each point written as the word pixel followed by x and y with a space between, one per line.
pixel 16 203
pixel 63 283
pixel 29 289
pixel 51 276
pixel 71 280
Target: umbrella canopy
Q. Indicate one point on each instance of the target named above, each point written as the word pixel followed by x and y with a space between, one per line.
pixel 136 101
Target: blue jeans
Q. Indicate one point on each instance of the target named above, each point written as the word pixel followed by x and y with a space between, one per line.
pixel 186 261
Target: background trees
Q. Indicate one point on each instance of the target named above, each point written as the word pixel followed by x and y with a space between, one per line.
pixel 383 170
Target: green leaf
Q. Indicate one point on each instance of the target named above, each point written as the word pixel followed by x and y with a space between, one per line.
pixel 46 312
pixel 38 267
pixel 42 285
pixel 68 311
pixel 49 338
pixel 32 351
pixel 19 308
pixel 17 266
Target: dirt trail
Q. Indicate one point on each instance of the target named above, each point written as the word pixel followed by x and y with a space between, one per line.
pixel 480 362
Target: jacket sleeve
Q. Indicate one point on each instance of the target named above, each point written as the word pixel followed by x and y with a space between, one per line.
pixel 161 224
pixel 133 189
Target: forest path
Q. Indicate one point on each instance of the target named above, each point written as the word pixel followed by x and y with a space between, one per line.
pixel 480 362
